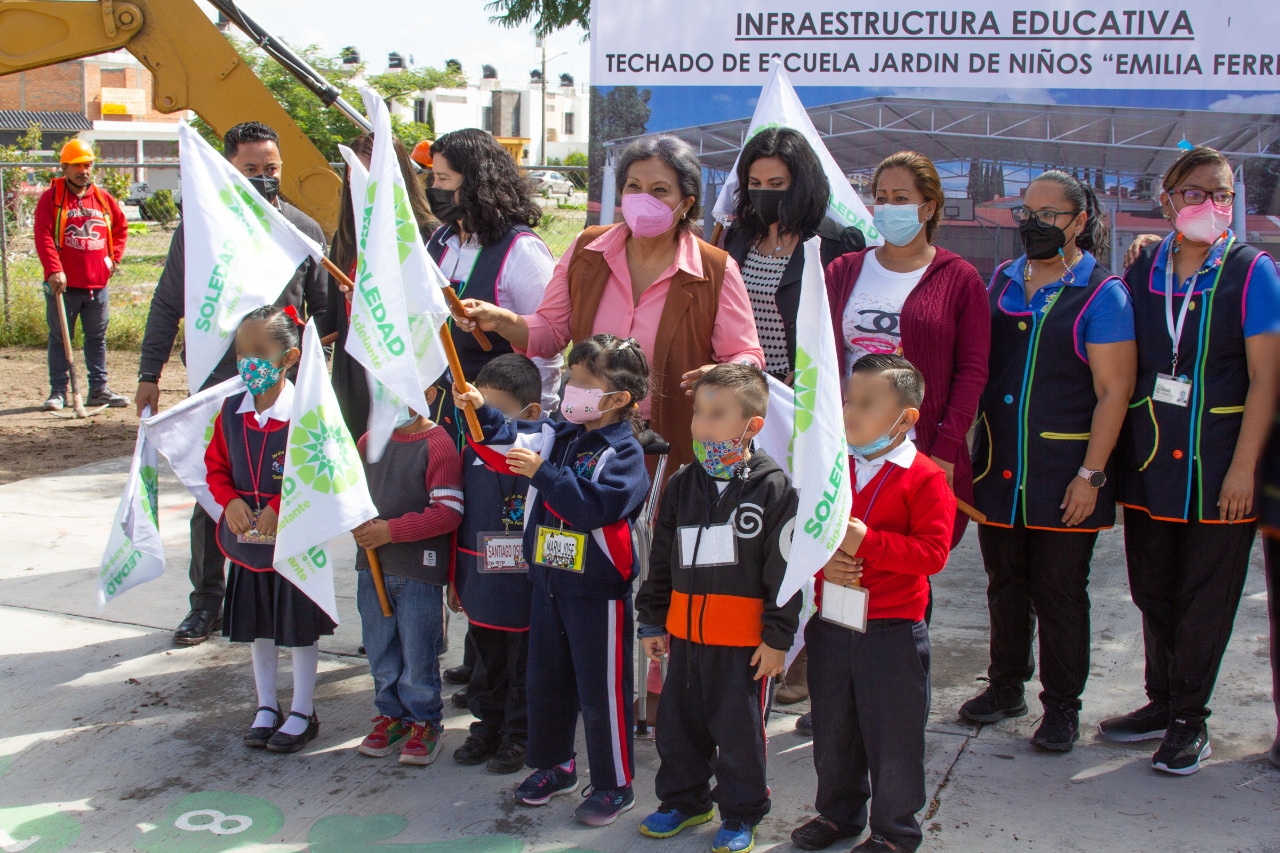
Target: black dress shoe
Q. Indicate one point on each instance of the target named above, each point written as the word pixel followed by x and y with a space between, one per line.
pixel 476 750
pixel 804 724
pixel 257 736
pixel 459 699
pixel 818 834
pixel 457 675
pixel 281 742
pixel 197 627
pixel 508 759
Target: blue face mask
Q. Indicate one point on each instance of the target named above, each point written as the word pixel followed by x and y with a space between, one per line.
pixel 404 416
pixel 898 223
pixel 865 450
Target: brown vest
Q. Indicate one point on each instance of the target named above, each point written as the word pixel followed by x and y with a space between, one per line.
pixel 683 339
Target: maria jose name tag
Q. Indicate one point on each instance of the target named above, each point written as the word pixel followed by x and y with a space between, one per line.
pixel 501 552
pixel 845 606
pixel 1172 389
pixel 710 546
pixel 560 549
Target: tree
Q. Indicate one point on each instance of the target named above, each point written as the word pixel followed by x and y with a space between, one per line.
pixel 396 86
pixel 974 188
pixel 623 112
pixel 431 117
pixel 1262 179
pixel 999 189
pixel 547 16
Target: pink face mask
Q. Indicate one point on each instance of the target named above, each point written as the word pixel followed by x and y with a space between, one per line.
pixel 582 405
pixel 646 216
pixel 1204 223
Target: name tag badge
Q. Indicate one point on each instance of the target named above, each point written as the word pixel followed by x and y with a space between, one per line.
pixel 845 606
pixel 1175 390
pixel 560 549
pixel 253 537
pixel 501 553
pixel 710 546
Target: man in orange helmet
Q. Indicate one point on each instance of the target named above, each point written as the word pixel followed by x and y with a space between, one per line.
pixel 80 232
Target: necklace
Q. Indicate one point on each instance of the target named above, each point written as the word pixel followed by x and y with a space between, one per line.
pixel 1068 277
pixel 775 251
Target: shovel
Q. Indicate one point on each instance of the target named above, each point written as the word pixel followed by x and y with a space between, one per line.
pixel 77 404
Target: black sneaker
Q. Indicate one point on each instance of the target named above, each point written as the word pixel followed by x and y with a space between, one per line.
pixel 1147 723
pixel 601 807
pixel 542 785
pixel 996 703
pixel 1059 729
pixel 1185 745
pixel 104 396
pixel 818 834
pixel 508 758
pixel 476 750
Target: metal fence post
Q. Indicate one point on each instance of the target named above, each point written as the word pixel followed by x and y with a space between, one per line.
pixel 4 246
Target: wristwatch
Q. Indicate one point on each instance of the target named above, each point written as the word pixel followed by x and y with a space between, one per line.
pixel 149 377
pixel 1096 479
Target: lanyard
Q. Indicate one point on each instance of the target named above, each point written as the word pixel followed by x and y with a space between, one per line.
pixel 462 283
pixel 887 474
pixel 255 474
pixel 1175 329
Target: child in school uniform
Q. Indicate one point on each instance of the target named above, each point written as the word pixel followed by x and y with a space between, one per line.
pixel 717 562
pixel 416 486
pixel 587 485
pixel 491 579
pixel 245 466
pixel 870 688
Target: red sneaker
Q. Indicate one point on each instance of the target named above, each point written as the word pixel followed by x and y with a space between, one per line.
pixel 387 736
pixel 423 746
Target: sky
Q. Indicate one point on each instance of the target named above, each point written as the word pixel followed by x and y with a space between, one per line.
pixel 421 30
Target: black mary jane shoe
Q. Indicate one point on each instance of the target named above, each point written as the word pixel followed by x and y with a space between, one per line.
pixel 281 742
pixel 258 736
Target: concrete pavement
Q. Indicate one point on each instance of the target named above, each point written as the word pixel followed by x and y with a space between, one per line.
pixel 113 739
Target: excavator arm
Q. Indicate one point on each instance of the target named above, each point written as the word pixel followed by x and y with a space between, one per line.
pixel 194 68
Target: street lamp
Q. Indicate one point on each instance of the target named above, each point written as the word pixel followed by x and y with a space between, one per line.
pixel 542 44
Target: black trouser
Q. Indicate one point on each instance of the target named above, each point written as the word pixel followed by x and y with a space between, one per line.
pixel 1186 578
pixel 870 697
pixel 711 723
pixel 1039 575
pixel 1271 550
pixel 208 566
pixel 496 694
pixel 92 309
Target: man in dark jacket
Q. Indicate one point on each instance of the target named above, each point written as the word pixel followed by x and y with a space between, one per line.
pixel 254 149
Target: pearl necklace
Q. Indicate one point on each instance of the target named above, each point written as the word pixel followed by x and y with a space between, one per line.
pixel 1068 277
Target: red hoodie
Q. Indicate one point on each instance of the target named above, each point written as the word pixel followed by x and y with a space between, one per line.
pixel 77 235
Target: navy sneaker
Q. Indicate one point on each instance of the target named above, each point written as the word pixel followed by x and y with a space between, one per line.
pixel 602 806
pixel 1185 745
pixel 666 822
pixel 541 786
pixel 734 837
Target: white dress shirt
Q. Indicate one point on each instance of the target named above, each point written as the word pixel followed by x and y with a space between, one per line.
pixel 280 409
pixel 865 470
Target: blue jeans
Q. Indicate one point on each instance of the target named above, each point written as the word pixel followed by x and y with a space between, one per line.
pixel 91 307
pixel 404 648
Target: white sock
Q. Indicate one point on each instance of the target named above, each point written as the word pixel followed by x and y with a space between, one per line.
pixel 306 660
pixel 265 659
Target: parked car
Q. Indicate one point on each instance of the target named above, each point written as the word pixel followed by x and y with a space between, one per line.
pixel 551 182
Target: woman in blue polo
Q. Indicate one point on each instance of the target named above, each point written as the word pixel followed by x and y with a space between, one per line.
pixel 1061 374
pixel 1203 303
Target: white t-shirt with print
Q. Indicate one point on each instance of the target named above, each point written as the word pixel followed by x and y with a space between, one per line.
pixel 871 316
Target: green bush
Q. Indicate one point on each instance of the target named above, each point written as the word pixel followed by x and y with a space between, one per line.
pixel 27 326
pixel 160 207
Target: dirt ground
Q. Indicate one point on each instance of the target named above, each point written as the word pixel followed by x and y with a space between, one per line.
pixel 33 442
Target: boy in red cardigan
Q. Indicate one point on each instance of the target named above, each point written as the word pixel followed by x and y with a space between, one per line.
pixel 870 689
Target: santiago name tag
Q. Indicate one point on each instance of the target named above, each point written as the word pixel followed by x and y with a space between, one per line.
pixel 845 606
pixel 714 546
pixel 560 549
pixel 501 553
pixel 1172 389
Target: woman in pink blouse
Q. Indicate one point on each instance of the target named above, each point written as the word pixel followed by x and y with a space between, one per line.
pixel 649 278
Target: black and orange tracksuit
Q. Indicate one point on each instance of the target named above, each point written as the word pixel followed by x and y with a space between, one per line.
pixel 711 718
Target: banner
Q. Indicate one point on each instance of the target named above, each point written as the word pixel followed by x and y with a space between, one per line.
pixel 323 491
pixel 804 432
pixel 135 552
pixel 240 252
pixel 182 434
pixel 780 107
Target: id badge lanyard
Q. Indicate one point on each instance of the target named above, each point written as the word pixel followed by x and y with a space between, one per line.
pixel 1176 328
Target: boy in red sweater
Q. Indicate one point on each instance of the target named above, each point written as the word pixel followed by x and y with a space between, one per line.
pixel 869 685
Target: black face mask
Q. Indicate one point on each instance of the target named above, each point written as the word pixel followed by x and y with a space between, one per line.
pixel 267 187
pixel 1041 241
pixel 443 207
pixel 766 204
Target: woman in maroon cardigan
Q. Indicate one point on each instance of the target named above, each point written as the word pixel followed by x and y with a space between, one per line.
pixel 924 302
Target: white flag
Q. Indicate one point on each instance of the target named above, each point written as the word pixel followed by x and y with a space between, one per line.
pixel 135 552
pixel 323 492
pixel 398 307
pixel 779 106
pixel 804 432
pixel 240 252
pixel 183 433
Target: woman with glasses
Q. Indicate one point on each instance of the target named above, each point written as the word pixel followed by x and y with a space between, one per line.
pixel 1062 367
pixel 1203 303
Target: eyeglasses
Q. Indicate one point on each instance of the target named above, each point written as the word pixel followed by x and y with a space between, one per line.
pixel 1193 197
pixel 1044 217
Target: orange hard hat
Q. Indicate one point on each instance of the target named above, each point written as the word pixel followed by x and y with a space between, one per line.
pixel 76 151
pixel 422 154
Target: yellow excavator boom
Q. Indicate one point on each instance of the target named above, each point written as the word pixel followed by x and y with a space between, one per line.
pixel 194 68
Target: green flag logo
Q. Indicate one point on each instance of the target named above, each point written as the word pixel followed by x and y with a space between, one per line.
pixel 322 452
pixel 150 494
pixel 805 385
pixel 406 225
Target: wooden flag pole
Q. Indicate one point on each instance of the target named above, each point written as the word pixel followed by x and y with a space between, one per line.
pixel 455 367
pixel 329 265
pixel 375 571
pixel 971 512
pixel 456 306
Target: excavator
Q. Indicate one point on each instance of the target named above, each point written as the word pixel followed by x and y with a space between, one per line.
pixel 194 68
